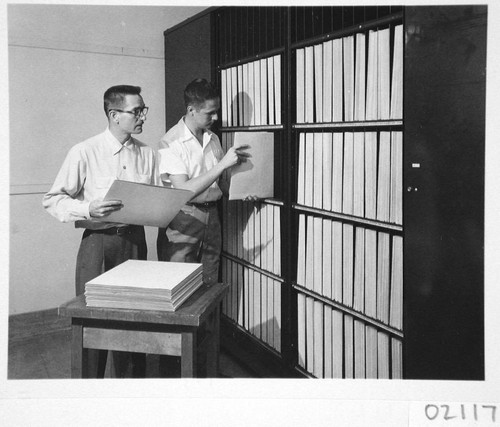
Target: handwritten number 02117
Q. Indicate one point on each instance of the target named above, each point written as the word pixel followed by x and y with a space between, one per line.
pixel 463 411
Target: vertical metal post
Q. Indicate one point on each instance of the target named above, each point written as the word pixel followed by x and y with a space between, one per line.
pixel 288 308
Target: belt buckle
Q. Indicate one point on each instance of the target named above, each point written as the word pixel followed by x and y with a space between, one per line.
pixel 121 231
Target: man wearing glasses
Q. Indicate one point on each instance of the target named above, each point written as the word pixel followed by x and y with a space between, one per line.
pixel 77 196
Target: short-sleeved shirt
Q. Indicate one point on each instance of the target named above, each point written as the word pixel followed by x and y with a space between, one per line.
pixel 182 154
pixel 89 170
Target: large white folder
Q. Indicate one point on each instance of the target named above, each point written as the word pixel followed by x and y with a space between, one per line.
pixel 255 176
pixel 145 204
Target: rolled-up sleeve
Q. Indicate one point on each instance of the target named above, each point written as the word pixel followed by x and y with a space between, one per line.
pixel 171 162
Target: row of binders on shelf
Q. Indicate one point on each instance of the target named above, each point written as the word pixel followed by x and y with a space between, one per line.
pixel 251 232
pixel 253 301
pixel 333 344
pixel 354 173
pixel 144 285
pixel 350 78
pixel 251 93
pixel 358 267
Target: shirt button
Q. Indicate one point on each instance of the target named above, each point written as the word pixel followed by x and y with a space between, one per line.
pixel 124 167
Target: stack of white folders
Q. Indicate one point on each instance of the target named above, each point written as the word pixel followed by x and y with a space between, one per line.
pixel 144 285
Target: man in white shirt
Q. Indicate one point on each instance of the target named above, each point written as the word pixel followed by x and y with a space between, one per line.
pixel 80 186
pixel 191 158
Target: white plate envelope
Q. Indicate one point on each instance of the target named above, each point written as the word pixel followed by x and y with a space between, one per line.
pixel 145 204
pixel 255 176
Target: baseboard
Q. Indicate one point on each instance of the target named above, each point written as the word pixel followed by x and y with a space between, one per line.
pixel 28 325
pixel 253 355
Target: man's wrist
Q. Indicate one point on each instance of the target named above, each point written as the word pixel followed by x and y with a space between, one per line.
pixel 86 210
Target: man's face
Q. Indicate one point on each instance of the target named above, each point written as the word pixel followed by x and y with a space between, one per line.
pixel 129 122
pixel 206 114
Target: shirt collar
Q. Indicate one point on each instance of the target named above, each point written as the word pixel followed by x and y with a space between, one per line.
pixel 187 135
pixel 116 145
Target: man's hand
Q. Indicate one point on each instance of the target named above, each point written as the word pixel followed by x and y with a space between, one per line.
pixel 235 156
pixel 99 208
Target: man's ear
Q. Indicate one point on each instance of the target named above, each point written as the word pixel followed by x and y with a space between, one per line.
pixel 113 115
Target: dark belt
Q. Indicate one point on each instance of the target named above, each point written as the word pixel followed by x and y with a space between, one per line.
pixel 118 231
pixel 205 205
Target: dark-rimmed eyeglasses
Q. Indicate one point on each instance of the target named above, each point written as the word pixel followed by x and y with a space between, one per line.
pixel 138 112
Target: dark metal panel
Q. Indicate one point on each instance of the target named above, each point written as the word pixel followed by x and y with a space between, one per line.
pixel 249 31
pixel 188 55
pixel 444 117
pixel 187 21
pixel 343 31
pixel 348 16
pixel 310 23
pixel 338 21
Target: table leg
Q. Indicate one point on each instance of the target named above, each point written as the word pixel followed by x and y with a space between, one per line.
pixel 79 365
pixel 213 346
pixel 188 355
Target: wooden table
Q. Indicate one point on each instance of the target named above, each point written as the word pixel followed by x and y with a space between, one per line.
pixel 193 326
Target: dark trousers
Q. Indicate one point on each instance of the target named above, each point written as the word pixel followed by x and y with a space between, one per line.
pixel 101 250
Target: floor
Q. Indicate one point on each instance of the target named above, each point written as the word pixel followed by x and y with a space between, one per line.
pixel 47 356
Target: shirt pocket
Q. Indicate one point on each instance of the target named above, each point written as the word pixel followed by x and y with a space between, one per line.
pixel 218 153
pixel 142 178
pixel 132 176
pixel 102 184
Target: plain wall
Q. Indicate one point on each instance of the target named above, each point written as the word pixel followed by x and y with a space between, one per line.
pixel 61 60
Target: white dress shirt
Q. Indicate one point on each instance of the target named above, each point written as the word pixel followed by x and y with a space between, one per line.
pixel 89 170
pixel 182 154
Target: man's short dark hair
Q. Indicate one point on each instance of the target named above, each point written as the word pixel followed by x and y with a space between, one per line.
pixel 115 96
pixel 199 91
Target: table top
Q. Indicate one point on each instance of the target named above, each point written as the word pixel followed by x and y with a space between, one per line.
pixel 191 313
